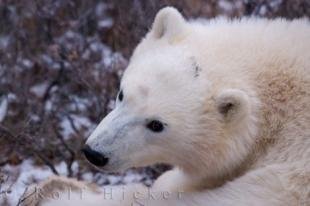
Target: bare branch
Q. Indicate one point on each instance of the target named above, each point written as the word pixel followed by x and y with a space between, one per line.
pixel 27 141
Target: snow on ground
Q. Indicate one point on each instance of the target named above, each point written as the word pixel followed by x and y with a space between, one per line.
pixel 27 173
pixel 20 176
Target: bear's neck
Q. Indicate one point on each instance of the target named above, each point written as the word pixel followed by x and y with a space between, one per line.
pixel 202 181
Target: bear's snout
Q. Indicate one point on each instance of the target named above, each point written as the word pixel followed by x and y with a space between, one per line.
pixel 95 157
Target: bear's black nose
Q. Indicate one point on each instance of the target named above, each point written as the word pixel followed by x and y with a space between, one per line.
pixel 94 157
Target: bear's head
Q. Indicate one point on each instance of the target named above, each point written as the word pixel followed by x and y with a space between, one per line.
pixel 169 111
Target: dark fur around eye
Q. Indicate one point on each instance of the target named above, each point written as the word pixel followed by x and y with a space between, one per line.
pixel 155 126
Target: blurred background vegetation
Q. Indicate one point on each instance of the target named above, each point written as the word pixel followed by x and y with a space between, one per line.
pixel 60 66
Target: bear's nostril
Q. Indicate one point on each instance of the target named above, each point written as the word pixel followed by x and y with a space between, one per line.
pixel 94 157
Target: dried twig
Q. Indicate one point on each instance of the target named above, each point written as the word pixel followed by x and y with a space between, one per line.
pixel 72 154
pixel 26 141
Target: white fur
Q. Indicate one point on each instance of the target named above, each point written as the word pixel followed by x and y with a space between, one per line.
pixel 182 73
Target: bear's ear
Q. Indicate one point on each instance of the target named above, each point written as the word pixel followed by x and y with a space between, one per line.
pixel 168 23
pixel 233 104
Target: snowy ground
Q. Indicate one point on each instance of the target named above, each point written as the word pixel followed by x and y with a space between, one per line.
pixel 25 174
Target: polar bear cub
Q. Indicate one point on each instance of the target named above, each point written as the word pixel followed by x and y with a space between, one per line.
pixel 227 102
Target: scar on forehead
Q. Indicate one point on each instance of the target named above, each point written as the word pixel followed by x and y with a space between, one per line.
pixel 196 67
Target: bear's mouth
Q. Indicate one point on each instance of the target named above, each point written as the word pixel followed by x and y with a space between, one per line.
pixel 115 167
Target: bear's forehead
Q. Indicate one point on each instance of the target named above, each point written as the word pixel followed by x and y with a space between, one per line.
pixel 158 80
pixel 154 66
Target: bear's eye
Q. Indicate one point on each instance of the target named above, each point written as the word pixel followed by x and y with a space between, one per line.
pixel 120 96
pixel 155 126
